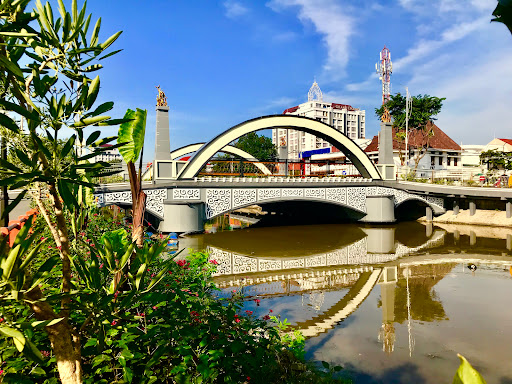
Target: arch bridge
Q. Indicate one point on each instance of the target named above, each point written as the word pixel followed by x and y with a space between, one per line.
pixel 182 201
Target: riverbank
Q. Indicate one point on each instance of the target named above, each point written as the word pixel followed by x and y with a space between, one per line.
pixel 482 217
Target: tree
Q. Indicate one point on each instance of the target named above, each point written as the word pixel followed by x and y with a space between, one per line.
pixel 503 13
pixel 53 92
pixel 260 147
pixel 424 108
pixel 496 160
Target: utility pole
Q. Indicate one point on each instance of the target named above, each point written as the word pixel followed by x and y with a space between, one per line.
pixel 408 108
pixel 407 126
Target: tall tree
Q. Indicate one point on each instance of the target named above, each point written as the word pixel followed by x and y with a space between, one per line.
pixel 259 146
pixel 424 108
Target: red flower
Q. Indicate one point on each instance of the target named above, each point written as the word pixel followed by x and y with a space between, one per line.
pixel 194 313
pixel 114 322
pixel 257 301
pixel 248 312
pixel 271 311
pixel 214 262
pixel 266 317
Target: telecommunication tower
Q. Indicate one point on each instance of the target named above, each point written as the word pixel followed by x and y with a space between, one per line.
pixel 384 68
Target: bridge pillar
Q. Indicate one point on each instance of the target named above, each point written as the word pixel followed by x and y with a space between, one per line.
pixel 508 207
pixel 380 209
pixel 456 207
pixel 183 217
pixel 472 208
pixel 429 213
pixel 162 142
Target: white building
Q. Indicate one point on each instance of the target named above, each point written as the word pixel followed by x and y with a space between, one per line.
pixel 470 156
pixel 343 117
pixel 108 155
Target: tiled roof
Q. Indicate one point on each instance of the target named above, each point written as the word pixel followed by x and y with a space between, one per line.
pixel 508 141
pixel 439 140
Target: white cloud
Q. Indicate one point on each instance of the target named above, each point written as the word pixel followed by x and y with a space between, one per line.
pixel 477 105
pixel 234 9
pixel 425 47
pixel 275 106
pixel 365 85
pixel 333 22
pixel 284 37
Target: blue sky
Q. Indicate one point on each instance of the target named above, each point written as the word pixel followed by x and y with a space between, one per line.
pixel 223 62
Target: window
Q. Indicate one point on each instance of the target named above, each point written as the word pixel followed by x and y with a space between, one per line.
pixel 440 160
pixel 448 161
pixel 455 161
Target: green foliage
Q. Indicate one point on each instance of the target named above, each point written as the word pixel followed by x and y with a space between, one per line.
pixel 466 374
pixel 503 13
pixel 496 159
pixel 259 146
pixel 424 108
pixel 131 133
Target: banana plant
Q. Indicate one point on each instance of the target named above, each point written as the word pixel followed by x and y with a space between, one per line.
pixel 131 138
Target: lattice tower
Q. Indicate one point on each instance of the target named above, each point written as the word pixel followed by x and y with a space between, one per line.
pixel 384 68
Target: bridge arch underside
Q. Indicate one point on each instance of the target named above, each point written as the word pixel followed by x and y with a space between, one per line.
pixel 349 202
pixel 352 151
pixel 229 149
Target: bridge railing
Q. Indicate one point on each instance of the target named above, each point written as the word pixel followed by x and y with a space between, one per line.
pixel 462 176
pixel 289 168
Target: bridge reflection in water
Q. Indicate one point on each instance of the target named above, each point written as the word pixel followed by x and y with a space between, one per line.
pixel 348 272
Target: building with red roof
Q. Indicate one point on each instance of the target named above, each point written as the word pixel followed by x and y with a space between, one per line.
pixel 442 153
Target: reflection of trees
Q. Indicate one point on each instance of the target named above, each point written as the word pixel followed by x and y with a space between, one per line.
pixel 425 304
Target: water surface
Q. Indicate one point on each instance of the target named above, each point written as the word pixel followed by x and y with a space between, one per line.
pixel 391 304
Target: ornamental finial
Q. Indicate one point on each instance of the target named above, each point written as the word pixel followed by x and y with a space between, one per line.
pixel 386 117
pixel 161 99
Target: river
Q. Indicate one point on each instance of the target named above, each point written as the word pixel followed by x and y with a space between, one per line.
pixel 391 304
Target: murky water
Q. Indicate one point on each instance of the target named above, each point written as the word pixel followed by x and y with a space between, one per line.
pixel 391 304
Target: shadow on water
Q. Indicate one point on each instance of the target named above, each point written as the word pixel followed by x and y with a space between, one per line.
pixel 286 240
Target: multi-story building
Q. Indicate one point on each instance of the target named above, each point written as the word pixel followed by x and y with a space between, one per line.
pixel 109 155
pixel 343 117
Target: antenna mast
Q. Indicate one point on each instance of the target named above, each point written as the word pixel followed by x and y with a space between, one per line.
pixel 384 68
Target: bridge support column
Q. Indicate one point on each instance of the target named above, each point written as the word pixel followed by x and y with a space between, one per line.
pixel 379 209
pixel 509 242
pixel 429 213
pixel 508 208
pixel 456 207
pixel 472 208
pixel 183 218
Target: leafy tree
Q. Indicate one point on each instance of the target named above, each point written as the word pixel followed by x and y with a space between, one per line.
pixel 259 146
pixel 496 159
pixel 503 13
pixel 424 108
pixel 53 92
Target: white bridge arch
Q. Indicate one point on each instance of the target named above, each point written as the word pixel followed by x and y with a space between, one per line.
pixel 300 123
pixel 180 152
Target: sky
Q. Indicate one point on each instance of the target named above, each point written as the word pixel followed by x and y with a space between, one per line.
pixel 223 62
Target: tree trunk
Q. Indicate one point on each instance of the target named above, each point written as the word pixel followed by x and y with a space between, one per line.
pixel 64 340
